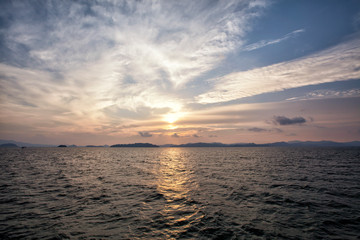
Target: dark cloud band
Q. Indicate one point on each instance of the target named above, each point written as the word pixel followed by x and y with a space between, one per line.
pixel 282 120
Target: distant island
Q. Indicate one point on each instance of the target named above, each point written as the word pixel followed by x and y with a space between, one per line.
pixel 24 144
pixel 135 145
pixel 202 144
pixel 14 144
pixel 9 145
pixel 275 144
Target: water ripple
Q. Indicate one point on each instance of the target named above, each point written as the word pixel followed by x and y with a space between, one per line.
pixel 174 193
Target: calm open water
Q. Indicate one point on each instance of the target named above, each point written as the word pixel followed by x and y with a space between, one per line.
pixel 180 193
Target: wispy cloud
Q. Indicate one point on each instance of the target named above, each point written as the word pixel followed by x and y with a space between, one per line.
pixel 256 129
pixel 262 130
pixel 94 63
pixel 327 93
pixel 175 135
pixel 335 64
pixel 118 69
pixel 145 134
pixel 265 43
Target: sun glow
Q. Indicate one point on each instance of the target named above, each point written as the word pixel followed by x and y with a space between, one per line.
pixel 172 117
pixel 171 127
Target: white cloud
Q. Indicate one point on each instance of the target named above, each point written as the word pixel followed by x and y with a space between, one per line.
pixel 265 43
pixel 83 62
pixel 178 40
pixel 326 93
pixel 338 63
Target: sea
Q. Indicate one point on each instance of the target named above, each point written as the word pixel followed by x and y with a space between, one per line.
pixel 180 193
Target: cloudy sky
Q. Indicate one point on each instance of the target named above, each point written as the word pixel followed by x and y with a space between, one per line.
pixel 106 72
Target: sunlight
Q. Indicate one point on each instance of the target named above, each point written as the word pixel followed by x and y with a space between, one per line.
pixel 171 127
pixel 172 117
pixel 175 184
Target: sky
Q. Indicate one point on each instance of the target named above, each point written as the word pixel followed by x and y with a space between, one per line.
pixel 108 72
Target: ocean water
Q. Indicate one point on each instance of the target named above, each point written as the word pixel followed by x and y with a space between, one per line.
pixel 180 193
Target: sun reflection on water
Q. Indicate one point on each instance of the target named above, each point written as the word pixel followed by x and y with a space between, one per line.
pixel 176 184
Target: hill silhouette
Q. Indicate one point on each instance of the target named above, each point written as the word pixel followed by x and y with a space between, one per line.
pixel 275 144
pixel 9 145
pixel 135 145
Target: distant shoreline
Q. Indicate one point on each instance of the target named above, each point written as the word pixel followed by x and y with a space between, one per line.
pixel 14 144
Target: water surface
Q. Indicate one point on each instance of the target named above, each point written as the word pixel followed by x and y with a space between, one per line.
pixel 180 193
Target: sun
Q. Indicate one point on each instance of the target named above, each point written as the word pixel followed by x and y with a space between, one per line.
pixel 172 117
